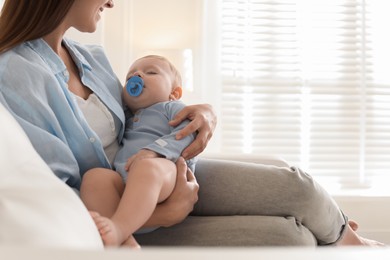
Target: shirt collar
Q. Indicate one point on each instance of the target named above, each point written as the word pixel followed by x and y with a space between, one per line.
pixel 79 59
pixel 47 55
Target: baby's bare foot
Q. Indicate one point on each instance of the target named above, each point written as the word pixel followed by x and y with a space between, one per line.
pixel 132 243
pixel 107 230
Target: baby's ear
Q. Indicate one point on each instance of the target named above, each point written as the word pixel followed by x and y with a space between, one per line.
pixel 176 93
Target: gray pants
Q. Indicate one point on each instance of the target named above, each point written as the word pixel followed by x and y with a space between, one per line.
pixel 245 204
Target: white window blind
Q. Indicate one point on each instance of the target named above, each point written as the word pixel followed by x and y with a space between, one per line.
pixel 308 81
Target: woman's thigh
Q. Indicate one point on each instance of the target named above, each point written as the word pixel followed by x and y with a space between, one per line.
pixel 235 188
pixel 231 231
pixel 231 188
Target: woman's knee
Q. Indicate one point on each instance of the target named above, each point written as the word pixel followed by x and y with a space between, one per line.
pixel 309 193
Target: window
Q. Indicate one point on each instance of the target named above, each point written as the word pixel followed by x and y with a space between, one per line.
pixel 308 81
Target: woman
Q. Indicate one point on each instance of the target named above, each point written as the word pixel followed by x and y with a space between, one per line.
pixel 45 81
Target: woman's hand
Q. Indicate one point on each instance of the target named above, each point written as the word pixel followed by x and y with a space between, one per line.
pixel 203 120
pixel 180 203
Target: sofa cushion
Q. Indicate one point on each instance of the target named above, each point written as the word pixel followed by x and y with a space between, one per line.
pixel 36 208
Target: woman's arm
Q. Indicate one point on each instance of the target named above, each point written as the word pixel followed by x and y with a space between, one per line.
pixel 180 203
pixel 203 120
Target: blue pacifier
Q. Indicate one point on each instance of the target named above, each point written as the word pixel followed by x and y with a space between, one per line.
pixel 134 86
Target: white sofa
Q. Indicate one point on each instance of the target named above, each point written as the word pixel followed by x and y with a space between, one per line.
pixel 266 253
pixel 42 218
pixel 36 208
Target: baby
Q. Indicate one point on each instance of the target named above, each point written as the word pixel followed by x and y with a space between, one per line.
pixel 145 164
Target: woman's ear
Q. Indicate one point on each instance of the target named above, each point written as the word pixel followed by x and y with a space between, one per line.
pixel 176 93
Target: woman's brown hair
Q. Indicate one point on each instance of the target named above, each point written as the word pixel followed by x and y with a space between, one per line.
pixel 24 20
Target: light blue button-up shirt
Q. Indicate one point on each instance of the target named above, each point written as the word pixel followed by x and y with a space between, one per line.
pixel 33 87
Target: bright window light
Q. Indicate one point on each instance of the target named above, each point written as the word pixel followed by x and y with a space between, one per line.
pixel 308 81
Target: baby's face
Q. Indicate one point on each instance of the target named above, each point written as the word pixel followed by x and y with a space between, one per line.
pixel 158 82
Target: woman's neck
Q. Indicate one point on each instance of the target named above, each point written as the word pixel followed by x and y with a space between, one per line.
pixel 54 39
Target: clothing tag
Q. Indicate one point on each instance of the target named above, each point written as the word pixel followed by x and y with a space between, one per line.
pixel 161 142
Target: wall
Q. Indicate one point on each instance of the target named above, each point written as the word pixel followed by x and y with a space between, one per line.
pixel 167 24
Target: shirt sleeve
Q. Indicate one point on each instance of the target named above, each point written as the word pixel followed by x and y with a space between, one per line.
pixel 51 148
pixel 168 146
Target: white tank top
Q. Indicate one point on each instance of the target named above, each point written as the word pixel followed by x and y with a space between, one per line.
pixel 101 121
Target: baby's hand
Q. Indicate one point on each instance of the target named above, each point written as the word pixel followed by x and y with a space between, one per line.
pixel 142 154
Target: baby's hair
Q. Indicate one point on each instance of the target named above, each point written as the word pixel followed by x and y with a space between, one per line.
pixel 176 73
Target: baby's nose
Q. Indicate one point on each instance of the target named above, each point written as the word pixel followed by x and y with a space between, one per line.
pixel 137 73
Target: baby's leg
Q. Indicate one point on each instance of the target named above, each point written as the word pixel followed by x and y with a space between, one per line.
pixel 101 190
pixel 132 243
pixel 149 182
pixel 106 229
